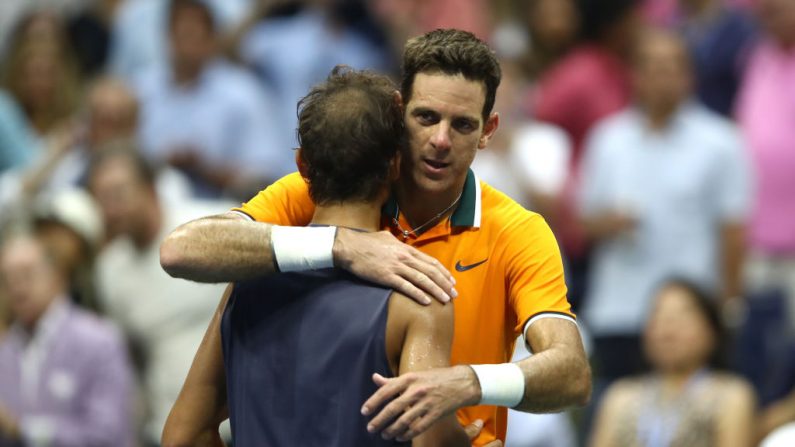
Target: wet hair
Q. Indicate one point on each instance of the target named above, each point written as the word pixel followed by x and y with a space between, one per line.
pixel 451 52
pixel 350 128
pixel 706 304
pixel 177 6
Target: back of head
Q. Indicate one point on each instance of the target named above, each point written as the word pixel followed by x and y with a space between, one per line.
pixel 601 18
pixel 350 128
pixel 451 52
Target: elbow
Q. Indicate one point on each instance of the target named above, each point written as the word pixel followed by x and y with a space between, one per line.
pixel 582 385
pixel 173 258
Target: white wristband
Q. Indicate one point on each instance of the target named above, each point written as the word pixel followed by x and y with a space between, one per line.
pixel 302 248
pixel 501 385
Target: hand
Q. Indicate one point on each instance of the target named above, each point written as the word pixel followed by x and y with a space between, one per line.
pixel 473 430
pixel 419 399
pixel 380 258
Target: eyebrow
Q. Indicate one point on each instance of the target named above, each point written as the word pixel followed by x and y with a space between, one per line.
pixel 421 109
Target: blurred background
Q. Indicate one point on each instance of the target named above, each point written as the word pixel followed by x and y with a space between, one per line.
pixel 657 138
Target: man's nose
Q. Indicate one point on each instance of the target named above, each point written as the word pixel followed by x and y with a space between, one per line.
pixel 441 136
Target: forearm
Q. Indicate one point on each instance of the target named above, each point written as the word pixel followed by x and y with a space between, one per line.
pixel 555 379
pixel 218 249
pixel 733 255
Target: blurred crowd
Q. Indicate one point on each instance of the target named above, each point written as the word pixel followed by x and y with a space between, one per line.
pixel 656 137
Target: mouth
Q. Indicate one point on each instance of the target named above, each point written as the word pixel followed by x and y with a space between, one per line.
pixel 434 166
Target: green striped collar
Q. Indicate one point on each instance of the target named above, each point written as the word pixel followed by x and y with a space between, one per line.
pixel 468 212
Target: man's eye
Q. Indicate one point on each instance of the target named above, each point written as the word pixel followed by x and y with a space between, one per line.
pixel 464 126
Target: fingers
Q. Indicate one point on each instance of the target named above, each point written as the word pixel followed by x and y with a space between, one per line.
pixel 473 430
pixel 429 275
pixel 393 409
pixel 405 287
pixel 389 388
pixel 411 418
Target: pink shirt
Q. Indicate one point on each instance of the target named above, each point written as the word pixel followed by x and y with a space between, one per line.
pixel 766 112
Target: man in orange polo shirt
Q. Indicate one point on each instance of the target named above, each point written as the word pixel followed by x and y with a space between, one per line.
pixel 506 260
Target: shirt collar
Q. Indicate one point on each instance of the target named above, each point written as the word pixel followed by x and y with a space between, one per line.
pixel 468 213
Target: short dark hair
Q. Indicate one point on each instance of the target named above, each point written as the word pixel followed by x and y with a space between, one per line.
pixel 599 15
pixel 451 52
pixel 177 5
pixel 350 128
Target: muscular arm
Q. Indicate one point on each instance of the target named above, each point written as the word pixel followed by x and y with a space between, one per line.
pixel 223 248
pixel 736 419
pixel 201 405
pixel 427 343
pixel 558 375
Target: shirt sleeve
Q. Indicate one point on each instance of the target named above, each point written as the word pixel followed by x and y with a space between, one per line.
pixel 734 182
pixel 285 202
pixel 535 271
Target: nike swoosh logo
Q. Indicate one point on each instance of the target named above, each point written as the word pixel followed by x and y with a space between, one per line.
pixel 463 268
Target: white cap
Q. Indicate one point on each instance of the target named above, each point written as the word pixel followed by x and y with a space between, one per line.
pixel 74 208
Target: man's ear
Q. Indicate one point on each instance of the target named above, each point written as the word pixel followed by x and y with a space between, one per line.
pixel 399 100
pixel 489 127
pixel 303 169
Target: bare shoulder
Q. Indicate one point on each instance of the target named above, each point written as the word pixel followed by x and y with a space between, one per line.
pixel 406 309
pixel 734 389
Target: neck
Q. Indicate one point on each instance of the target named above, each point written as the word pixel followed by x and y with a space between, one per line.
pixel 658 119
pixel 150 227
pixel 186 74
pixel 361 215
pixel 675 381
pixel 420 206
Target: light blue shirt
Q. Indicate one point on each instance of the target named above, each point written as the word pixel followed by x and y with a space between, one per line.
pixel 226 116
pixel 680 184
pixel 18 144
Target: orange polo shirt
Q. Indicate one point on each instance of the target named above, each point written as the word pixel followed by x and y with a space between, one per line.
pixel 505 260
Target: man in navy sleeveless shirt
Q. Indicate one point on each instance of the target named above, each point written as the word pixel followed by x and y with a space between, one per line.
pixel 299 348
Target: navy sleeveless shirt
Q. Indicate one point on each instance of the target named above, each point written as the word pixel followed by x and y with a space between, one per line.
pixel 299 352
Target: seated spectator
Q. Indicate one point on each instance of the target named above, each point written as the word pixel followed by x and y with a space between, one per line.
pixel 64 375
pixel 665 192
pixel 207 117
pixel 69 225
pixel 719 36
pixel 41 74
pixel 164 318
pixel 684 401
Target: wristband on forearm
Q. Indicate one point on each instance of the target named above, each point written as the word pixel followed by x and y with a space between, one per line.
pixel 501 385
pixel 302 248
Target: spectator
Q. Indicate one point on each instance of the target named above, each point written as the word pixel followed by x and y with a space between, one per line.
pixel 68 224
pixel 164 318
pixel 206 117
pixel 767 117
pixel 139 32
pixel 719 37
pixel 40 73
pixel 684 400
pixel 554 27
pixel 588 84
pixel 293 47
pixel 665 191
pixel 64 375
